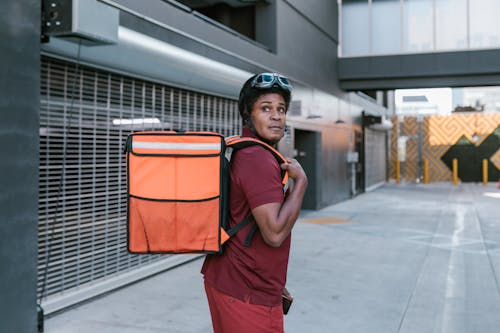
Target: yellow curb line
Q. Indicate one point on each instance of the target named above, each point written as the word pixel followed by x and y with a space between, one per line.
pixel 326 220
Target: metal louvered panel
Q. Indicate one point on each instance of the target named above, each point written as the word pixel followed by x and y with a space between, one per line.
pixel 85 118
pixel 375 158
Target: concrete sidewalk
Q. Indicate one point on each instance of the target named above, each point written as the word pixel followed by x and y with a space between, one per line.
pixel 404 258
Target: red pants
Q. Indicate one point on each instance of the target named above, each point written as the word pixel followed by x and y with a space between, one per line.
pixel 231 315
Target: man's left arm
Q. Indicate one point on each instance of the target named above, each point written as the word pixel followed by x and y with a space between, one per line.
pixel 276 220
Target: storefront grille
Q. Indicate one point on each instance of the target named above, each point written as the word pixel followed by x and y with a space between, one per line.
pixel 375 158
pixel 85 117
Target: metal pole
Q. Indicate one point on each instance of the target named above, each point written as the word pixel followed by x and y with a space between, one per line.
pixel 398 171
pixel 485 172
pixel 455 171
pixel 419 146
pixel 426 171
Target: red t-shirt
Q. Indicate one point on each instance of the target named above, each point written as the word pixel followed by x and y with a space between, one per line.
pixel 256 273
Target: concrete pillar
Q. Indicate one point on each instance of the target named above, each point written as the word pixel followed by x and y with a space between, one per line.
pixel 391 102
pixel 19 128
pixel 379 96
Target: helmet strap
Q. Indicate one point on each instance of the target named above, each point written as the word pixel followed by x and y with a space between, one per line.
pixel 250 126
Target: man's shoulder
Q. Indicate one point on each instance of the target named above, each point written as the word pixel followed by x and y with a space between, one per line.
pixel 254 152
pixel 253 160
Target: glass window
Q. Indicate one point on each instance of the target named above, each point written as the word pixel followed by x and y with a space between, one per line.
pixel 355 28
pixel 484 26
pixel 418 25
pixel 386 26
pixel 451 24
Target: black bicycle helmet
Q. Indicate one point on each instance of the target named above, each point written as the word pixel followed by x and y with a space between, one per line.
pixel 260 84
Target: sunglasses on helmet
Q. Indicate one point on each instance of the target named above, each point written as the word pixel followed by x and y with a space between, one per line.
pixel 267 80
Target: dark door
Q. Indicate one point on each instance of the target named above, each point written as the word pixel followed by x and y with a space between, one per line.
pixel 308 145
pixel 359 176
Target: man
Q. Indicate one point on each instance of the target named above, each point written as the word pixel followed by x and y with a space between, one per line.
pixel 244 284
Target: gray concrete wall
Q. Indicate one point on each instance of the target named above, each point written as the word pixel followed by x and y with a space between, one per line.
pixel 306 38
pixel 305 50
pixel 426 70
pixel 19 109
pixel 332 179
pixel 302 43
pixel 322 14
pixel 304 47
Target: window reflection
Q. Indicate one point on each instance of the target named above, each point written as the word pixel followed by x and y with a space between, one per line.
pixel 355 28
pixel 386 26
pixel 418 25
pixel 409 26
pixel 484 27
pixel 451 24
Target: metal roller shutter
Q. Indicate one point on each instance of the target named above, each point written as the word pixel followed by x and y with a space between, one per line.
pixel 375 158
pixel 84 120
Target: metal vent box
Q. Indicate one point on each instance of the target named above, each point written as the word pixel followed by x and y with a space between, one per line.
pixel 89 21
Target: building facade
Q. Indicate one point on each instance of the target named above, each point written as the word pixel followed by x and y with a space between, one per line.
pixel 106 68
pixel 165 65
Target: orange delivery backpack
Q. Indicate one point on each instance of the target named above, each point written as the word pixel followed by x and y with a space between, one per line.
pixel 177 191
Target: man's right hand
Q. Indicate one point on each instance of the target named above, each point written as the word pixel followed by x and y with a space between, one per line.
pixel 294 169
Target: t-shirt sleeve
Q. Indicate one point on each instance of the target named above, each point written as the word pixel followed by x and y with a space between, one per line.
pixel 259 176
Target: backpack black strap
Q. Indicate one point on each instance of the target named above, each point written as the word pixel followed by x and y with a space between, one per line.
pixel 252 231
pixel 241 225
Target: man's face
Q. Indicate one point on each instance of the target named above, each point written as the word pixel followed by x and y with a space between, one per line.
pixel 268 116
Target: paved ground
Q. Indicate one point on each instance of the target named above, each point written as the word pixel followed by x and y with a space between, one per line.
pixel 403 258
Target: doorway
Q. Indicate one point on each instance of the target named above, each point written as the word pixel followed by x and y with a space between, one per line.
pixel 359 177
pixel 308 147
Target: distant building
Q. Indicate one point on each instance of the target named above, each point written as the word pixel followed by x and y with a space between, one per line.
pixel 485 99
pixel 423 102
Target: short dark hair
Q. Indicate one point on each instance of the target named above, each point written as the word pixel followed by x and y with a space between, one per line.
pixel 249 95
